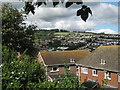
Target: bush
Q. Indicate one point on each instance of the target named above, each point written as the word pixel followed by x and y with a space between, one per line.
pixel 18 73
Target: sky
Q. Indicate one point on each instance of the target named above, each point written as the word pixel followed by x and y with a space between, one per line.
pixel 104 18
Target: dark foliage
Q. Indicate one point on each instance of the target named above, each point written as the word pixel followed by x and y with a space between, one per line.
pixel 14 35
pixel 83 12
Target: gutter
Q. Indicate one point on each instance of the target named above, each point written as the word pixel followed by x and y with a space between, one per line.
pixel 115 71
pixel 71 64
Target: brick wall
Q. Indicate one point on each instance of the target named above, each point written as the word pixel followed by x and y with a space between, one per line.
pixel 40 58
pixel 100 77
pixel 83 77
pixel 73 69
pixel 118 86
pixel 61 70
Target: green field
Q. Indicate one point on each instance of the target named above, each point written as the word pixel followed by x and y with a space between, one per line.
pixel 61 33
pixel 66 33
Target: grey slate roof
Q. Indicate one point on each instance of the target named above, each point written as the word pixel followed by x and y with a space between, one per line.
pixel 108 53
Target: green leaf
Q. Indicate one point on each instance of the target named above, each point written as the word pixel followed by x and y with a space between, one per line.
pixel 33 12
pixel 62 1
pixel 39 3
pixel 84 15
pixel 55 2
pixel 27 5
pixel 88 10
pixel 84 12
pixel 79 12
pixel 84 7
pixel 80 2
pixel 68 3
pixel 44 3
pixel 32 8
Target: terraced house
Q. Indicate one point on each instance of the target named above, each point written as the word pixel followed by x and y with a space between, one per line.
pixel 54 62
pixel 93 68
pixel 101 64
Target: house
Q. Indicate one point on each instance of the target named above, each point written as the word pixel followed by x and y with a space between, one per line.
pixel 100 65
pixel 62 48
pixel 54 61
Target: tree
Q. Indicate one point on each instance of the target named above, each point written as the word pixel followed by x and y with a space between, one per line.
pixel 83 12
pixel 17 73
pixel 55 43
pixel 14 34
pixel 75 46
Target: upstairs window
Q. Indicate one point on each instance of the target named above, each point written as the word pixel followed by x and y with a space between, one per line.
pixel 118 77
pixel 84 70
pixel 72 60
pixel 103 62
pixel 95 72
pixel 108 75
pixel 54 69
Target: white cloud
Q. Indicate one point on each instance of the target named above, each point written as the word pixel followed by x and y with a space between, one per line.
pixel 78 25
pixel 100 0
pixel 50 13
pixel 105 14
pixel 65 18
pixel 106 31
pixel 59 17
pixel 71 24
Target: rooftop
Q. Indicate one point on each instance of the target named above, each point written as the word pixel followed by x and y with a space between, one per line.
pixel 110 54
pixel 57 57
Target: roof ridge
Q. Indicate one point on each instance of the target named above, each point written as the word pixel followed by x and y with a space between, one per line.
pixel 109 46
pixel 66 51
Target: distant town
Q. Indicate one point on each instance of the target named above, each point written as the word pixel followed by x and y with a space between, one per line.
pixel 57 40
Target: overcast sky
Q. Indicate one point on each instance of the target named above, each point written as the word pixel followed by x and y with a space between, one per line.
pixel 104 18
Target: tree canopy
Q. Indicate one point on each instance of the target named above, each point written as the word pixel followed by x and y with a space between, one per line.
pixel 14 34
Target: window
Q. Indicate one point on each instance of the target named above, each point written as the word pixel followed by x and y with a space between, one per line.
pixel 84 70
pixel 94 72
pixel 72 60
pixel 103 62
pixel 108 75
pixel 77 67
pixel 118 77
pixel 54 69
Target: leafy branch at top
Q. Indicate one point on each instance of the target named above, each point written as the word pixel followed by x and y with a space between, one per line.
pixel 83 12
